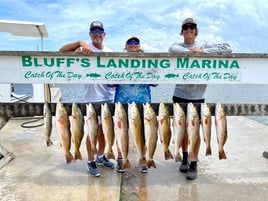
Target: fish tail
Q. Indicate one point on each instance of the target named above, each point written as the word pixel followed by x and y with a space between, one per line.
pixel 49 142
pixel 110 154
pixel 69 157
pixel 168 154
pixel 208 151
pixel 151 163
pixel 178 157
pixel 77 155
pixel 142 161
pixel 222 155
pixel 126 164
pixel 94 150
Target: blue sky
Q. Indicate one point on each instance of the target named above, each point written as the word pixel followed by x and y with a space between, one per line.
pixel 241 23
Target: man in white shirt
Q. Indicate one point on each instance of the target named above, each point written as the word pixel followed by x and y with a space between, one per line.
pixel 94 93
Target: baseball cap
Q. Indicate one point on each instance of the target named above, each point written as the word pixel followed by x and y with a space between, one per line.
pixel 96 24
pixel 189 21
pixel 133 38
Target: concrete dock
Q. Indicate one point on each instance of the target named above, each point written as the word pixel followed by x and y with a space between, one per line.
pixel 39 172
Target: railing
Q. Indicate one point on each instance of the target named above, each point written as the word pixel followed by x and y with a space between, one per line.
pixel 36 109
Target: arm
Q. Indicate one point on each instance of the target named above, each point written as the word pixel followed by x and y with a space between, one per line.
pixel 78 46
pixel 217 48
pixel 176 47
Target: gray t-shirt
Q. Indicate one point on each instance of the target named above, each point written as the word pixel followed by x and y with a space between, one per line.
pixel 196 91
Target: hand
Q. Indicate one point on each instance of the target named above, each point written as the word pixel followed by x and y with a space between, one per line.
pixel 85 48
pixel 197 50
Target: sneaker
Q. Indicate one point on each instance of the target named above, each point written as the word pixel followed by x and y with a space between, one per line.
pixel 265 154
pixel 184 167
pixel 92 168
pixel 119 166
pixel 143 169
pixel 102 160
pixel 192 172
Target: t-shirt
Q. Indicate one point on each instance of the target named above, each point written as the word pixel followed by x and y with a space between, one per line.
pixel 96 93
pixel 127 93
pixel 196 91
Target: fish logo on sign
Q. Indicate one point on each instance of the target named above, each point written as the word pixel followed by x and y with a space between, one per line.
pixel 170 75
pixel 93 75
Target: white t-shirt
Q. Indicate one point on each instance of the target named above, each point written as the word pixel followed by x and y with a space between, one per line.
pixel 96 93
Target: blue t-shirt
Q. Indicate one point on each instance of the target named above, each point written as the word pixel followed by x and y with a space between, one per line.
pixel 127 93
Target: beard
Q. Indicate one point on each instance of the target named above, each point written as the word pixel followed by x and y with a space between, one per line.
pixel 97 40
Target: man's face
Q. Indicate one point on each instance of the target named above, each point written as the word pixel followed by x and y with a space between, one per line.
pixel 189 30
pixel 97 35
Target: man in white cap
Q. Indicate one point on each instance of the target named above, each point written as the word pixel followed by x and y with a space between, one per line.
pixel 185 93
pixel 94 93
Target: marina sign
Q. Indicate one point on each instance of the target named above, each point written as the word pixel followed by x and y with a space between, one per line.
pixel 137 68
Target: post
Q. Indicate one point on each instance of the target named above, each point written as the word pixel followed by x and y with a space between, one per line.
pixel 5 92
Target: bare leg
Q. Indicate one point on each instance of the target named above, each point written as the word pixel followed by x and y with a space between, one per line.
pixel 184 145
pixel 101 141
pixel 90 155
pixel 184 163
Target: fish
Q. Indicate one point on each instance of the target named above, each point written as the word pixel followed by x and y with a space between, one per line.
pixel 206 126
pixel 108 130
pixel 47 123
pixel 221 129
pixel 92 125
pixel 77 130
pixel 164 129
pixel 150 132
pixel 136 132
pixel 170 75
pixel 63 130
pixel 121 133
pixel 179 129
pixel 192 127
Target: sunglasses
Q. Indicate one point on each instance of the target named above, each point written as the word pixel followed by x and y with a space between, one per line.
pixel 97 31
pixel 187 26
pixel 133 42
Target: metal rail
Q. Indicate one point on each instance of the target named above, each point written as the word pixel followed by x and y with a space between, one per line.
pixel 36 109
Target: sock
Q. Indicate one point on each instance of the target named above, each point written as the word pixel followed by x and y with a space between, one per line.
pixel 184 157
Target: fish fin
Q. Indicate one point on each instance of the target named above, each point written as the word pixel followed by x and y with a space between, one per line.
pixel 151 163
pixel 222 155
pixel 110 154
pixel 178 157
pixel 94 149
pixel 49 142
pixel 208 151
pixel 168 154
pixel 69 158
pixel 126 164
pixel 142 161
pixel 77 155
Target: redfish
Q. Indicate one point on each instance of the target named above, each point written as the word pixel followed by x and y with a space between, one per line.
pixel 221 129
pixel 63 130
